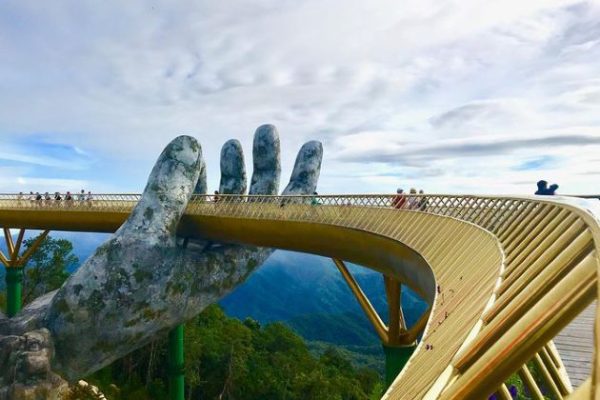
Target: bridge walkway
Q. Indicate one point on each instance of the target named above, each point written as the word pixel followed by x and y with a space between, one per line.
pixel 576 345
pixel 503 275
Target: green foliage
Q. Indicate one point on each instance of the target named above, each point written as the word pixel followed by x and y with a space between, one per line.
pixel 342 329
pixel 369 357
pixel 48 266
pixel 522 392
pixel 230 359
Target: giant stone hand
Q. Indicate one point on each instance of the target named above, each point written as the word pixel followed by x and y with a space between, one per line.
pixel 144 281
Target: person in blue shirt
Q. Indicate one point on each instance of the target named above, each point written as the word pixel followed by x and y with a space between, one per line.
pixel 544 190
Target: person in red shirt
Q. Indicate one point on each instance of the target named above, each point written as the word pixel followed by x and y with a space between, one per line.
pixel 399 199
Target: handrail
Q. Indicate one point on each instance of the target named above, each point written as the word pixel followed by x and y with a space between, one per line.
pixel 537 254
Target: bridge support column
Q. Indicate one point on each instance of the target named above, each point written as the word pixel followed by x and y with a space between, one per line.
pixel 398 342
pixel 14 268
pixel 396 358
pixel 176 364
pixel 14 290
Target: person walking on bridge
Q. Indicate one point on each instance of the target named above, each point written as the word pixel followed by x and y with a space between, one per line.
pixel 413 200
pixel 544 190
pixel 313 200
pixel 422 204
pixel 399 199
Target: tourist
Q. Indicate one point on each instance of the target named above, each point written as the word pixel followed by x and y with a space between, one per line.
pixel 57 196
pixel 399 199
pixel 313 200
pixel 38 196
pixel 216 197
pixel 544 190
pixel 542 187
pixel 31 197
pixel 81 196
pixel 20 197
pixel 413 201
pixel 68 197
pixel 422 204
pixel 89 197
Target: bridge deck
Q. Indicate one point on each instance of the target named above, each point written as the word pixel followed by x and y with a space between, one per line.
pixel 576 345
pixel 503 275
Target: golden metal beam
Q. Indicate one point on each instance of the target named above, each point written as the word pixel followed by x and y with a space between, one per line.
pixel 503 393
pixel 547 377
pixel 25 257
pixel 411 335
pixel 539 325
pixel 15 254
pixel 564 387
pixel 530 384
pixel 10 247
pixel 4 260
pixel 364 302
pixel 509 316
pixel 395 317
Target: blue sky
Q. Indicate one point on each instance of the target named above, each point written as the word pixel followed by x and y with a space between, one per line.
pixel 454 96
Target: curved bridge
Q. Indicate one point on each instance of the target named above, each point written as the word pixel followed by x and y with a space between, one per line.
pixel 502 275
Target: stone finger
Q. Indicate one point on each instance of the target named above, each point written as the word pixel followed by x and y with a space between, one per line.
pixel 233 169
pixel 267 162
pixel 170 186
pixel 306 170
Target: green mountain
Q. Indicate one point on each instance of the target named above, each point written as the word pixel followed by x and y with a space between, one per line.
pixel 308 293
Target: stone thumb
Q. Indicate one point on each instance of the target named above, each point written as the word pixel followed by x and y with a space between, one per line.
pixel 169 188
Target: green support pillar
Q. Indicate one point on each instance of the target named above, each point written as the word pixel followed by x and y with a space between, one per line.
pixel 14 290
pixel 176 364
pixel 395 359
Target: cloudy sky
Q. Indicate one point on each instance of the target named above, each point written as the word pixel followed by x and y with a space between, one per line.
pixel 455 96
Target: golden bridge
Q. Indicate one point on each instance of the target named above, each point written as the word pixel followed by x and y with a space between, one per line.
pixel 502 275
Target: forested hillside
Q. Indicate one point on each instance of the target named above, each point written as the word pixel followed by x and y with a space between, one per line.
pixel 229 359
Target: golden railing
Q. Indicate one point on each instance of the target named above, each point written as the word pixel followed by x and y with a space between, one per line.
pixel 510 274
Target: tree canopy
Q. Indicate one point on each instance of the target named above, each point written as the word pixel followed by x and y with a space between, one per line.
pixel 231 359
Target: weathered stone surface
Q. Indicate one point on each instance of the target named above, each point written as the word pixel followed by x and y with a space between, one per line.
pixel 201 187
pixel 26 367
pixel 142 282
pixel 32 317
pixel 267 163
pixel 126 284
pixel 233 169
pixel 306 170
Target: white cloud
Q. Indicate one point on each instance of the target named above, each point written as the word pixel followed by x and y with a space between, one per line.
pixel 119 80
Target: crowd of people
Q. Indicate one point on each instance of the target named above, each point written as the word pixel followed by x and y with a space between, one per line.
pixel 57 198
pixel 410 201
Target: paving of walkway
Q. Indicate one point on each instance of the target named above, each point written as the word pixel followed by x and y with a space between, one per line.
pixel 576 346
